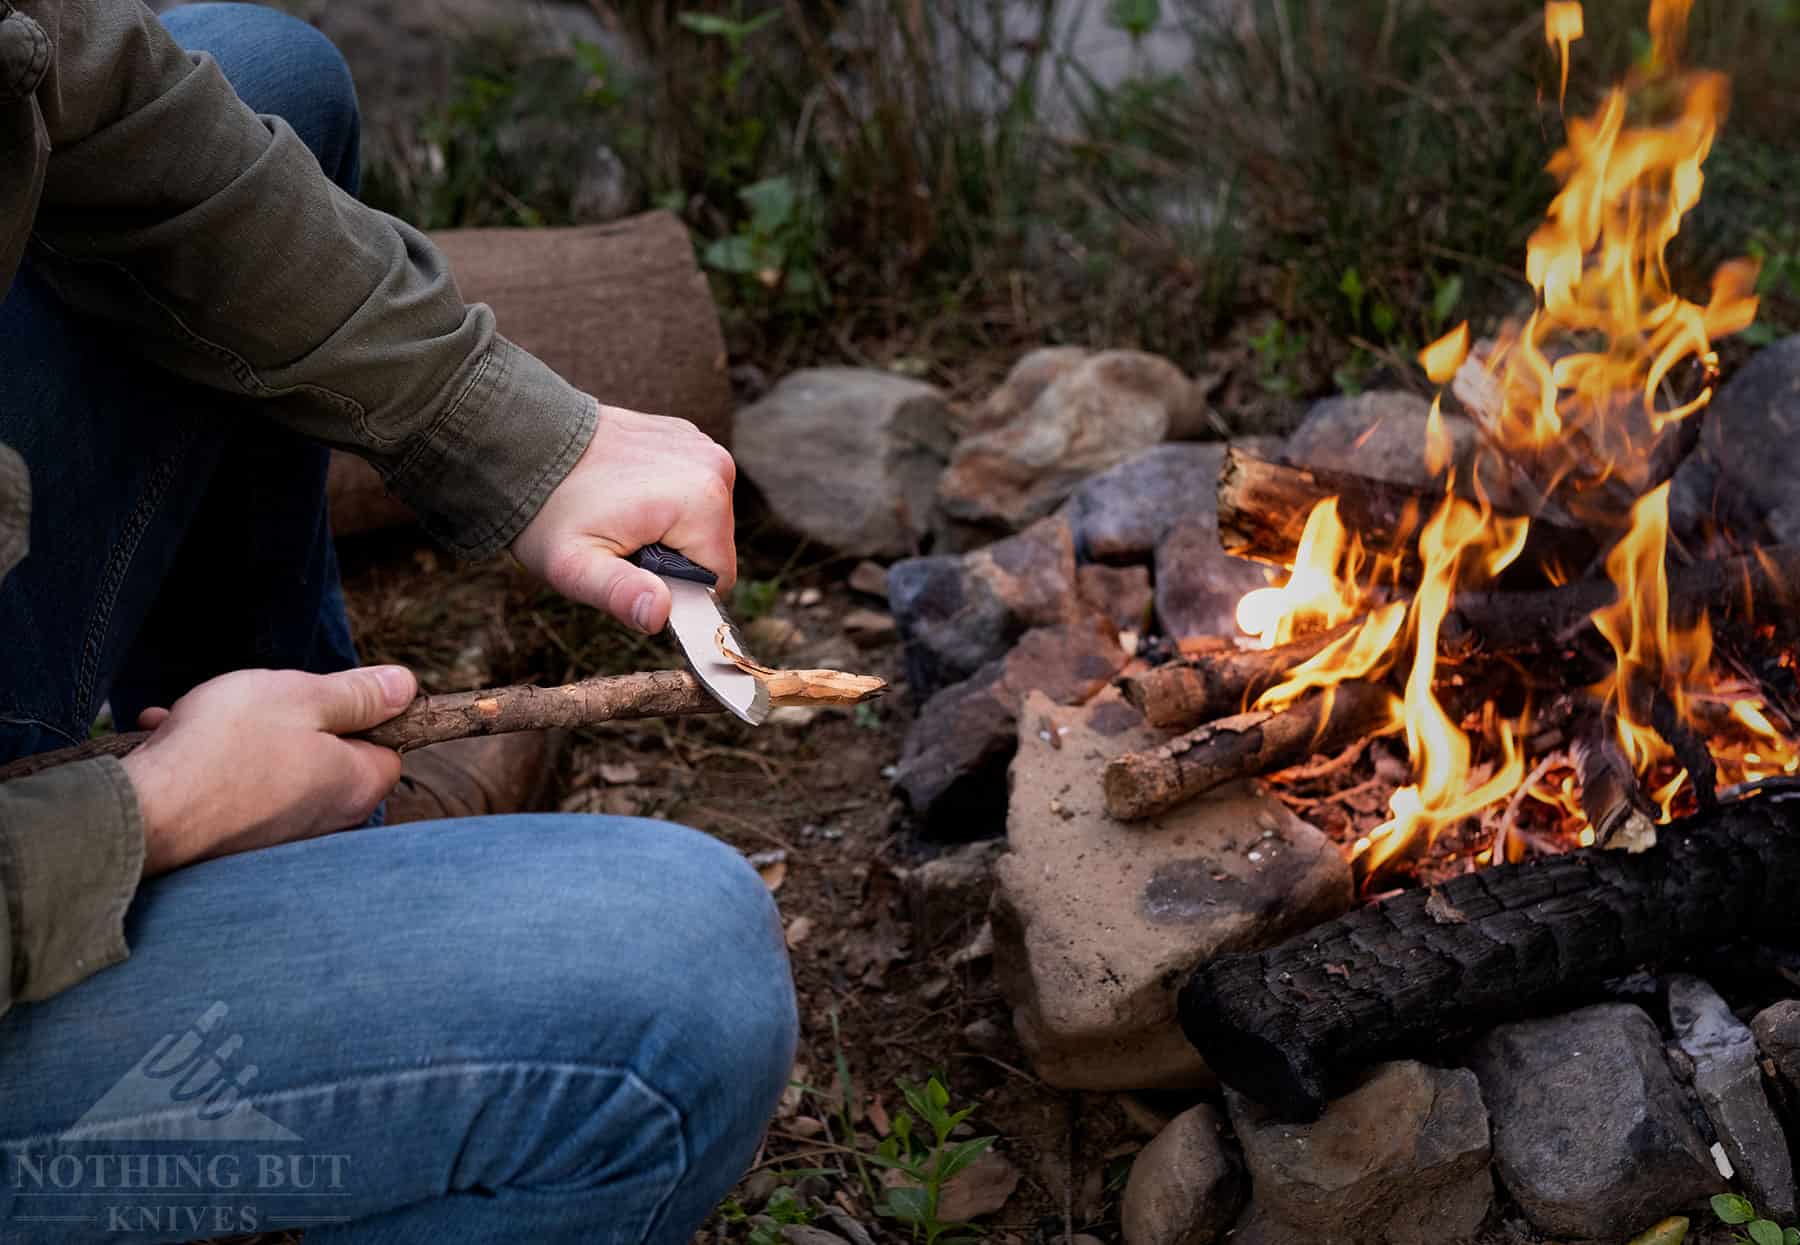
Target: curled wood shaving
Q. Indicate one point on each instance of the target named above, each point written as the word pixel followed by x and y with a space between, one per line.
pixel 804 687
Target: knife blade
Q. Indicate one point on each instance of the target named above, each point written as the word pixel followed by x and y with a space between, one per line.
pixel 700 625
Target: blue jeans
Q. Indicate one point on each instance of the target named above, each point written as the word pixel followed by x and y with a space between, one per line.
pixel 529 1028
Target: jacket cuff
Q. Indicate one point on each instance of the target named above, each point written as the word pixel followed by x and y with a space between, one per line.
pixel 71 856
pixel 484 470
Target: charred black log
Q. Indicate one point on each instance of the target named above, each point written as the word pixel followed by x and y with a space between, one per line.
pixel 1424 968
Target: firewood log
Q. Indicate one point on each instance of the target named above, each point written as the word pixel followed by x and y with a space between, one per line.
pixel 1263 508
pixel 1418 971
pixel 1207 686
pixel 1142 784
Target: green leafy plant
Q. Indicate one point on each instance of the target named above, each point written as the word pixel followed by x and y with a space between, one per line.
pixel 752 598
pixel 784 1206
pixel 776 246
pixel 1136 18
pixel 1277 349
pixel 1737 1211
pixel 735 31
pixel 919 1146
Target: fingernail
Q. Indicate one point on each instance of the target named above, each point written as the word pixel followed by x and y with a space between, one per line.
pixel 640 613
pixel 396 685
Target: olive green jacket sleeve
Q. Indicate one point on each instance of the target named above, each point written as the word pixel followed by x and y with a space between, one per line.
pixel 71 852
pixel 210 236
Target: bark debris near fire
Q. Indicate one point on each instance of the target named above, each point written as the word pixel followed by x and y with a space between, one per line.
pixel 1405 976
pixel 501 710
pixel 1142 784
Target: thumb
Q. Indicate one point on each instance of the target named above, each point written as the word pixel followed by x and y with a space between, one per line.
pixel 354 700
pixel 602 579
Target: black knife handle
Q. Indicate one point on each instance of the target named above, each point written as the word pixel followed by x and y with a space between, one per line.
pixel 661 560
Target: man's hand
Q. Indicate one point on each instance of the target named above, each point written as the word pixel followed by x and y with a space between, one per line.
pixel 642 478
pixel 253 758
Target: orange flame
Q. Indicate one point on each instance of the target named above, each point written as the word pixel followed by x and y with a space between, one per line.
pixel 1575 398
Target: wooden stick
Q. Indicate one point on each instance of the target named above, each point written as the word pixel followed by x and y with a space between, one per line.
pixel 497 711
pixel 1412 974
pixel 1208 686
pixel 1263 508
pixel 1142 784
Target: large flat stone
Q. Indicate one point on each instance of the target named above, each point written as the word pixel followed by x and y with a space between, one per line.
pixel 1379 434
pixel 1592 1135
pixel 1728 1080
pixel 1400 1160
pixel 1096 921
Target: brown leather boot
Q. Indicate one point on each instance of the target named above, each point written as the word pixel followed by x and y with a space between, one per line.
pixel 475 777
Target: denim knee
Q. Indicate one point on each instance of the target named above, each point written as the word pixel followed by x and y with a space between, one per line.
pixel 281 66
pixel 733 1007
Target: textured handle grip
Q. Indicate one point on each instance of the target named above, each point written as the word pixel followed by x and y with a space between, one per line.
pixel 662 560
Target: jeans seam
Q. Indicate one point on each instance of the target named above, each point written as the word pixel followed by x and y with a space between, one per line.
pixel 257 1101
pixel 112 579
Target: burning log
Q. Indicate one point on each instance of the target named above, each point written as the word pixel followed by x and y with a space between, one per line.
pixel 1207 686
pixel 501 710
pixel 1611 798
pixel 1142 784
pixel 1263 508
pixel 1423 968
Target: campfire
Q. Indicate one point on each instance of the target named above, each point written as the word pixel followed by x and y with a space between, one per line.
pixel 1524 635
pixel 1482 685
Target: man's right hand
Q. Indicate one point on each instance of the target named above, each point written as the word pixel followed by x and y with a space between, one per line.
pixel 254 758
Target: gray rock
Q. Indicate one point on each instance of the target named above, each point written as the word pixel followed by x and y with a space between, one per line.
pixel 1400 1160
pixel 1379 434
pixel 1186 1187
pixel 1592 1135
pixel 1120 594
pixel 1119 515
pixel 952 767
pixel 1198 584
pixel 957 613
pixel 1089 417
pixel 1777 1030
pixel 1752 432
pixel 847 457
pixel 948 896
pixel 1728 1079
pixel 1096 922
pixel 1029 377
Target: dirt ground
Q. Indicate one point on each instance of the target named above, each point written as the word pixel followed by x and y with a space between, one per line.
pixel 876 1006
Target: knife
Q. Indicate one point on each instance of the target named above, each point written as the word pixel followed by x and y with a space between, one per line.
pixel 700 624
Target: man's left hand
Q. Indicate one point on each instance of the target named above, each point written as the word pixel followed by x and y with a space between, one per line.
pixel 643 478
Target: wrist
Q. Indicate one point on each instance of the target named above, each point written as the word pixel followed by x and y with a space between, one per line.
pixel 157 800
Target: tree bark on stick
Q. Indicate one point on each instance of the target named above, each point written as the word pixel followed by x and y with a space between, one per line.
pixel 498 711
pixel 1405 976
pixel 1209 686
pixel 1263 508
pixel 1142 784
